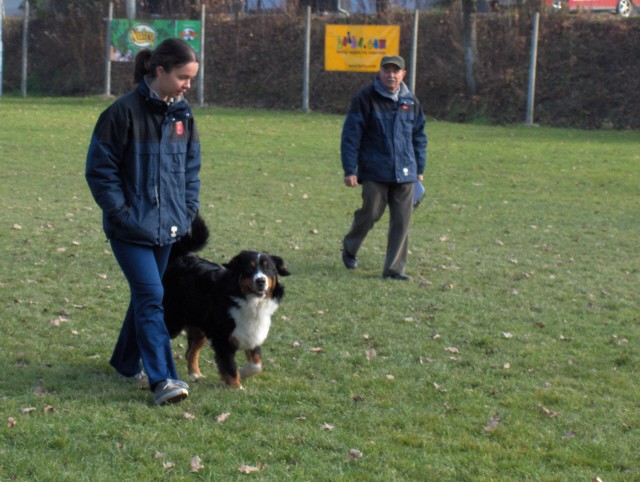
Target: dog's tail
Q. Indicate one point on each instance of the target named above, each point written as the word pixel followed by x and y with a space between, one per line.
pixel 193 241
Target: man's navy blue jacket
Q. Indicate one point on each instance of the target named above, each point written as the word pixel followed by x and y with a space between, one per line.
pixel 383 140
pixel 142 168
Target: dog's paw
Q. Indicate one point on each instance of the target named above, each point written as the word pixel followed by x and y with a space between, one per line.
pixel 250 369
pixel 194 377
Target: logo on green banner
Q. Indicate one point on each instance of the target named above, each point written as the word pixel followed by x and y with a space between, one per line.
pixel 128 37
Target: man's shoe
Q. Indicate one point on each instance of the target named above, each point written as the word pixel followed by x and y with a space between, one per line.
pixel 169 391
pixel 398 276
pixel 140 377
pixel 350 262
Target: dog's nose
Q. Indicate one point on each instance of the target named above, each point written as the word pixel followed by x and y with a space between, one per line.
pixel 261 282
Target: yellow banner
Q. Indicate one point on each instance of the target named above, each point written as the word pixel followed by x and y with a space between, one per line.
pixel 359 48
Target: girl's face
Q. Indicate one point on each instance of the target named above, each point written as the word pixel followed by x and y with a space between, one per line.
pixel 175 83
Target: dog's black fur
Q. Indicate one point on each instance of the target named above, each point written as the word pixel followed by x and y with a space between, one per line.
pixel 229 304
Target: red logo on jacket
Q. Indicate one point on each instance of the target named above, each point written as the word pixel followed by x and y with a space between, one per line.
pixel 179 128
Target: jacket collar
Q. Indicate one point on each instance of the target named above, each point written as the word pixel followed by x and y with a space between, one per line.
pixel 152 97
pixel 403 91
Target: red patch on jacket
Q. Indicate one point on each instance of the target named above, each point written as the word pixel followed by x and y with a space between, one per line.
pixel 179 128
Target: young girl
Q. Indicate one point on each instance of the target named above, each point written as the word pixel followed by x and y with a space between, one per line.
pixel 142 169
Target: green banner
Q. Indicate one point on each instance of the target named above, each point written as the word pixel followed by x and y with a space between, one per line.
pixel 128 37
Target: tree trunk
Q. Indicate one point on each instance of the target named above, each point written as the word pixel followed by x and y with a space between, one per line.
pixel 469 42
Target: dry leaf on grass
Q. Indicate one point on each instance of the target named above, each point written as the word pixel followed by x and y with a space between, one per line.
pixel 168 465
pixel 27 410
pixel 354 454
pixel 248 469
pixel 452 349
pixel 223 417
pixel 317 349
pixel 546 411
pixel 493 423
pixel 11 422
pixel 371 353
pixel 57 321
pixel 196 464
pixel 188 416
pixel 328 427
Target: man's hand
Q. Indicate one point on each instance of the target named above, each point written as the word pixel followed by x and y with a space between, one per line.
pixel 350 181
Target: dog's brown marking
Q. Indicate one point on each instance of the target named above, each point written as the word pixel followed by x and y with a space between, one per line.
pixel 232 381
pixel 196 340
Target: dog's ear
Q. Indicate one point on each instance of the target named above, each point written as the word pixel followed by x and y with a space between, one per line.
pixel 281 266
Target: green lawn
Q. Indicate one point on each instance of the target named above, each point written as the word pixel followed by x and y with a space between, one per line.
pixel 512 355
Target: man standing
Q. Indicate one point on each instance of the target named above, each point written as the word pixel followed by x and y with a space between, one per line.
pixel 384 148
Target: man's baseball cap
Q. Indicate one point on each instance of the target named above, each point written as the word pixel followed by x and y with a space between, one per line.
pixel 392 59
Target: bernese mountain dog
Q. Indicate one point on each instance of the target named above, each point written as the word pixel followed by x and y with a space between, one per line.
pixel 231 304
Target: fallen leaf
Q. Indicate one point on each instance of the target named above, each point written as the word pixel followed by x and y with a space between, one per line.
pixel 546 411
pixel 188 416
pixel 316 349
pixel 507 335
pixel 196 464
pixel 16 227
pixel 27 410
pixel 326 426
pixel 452 349
pixel 158 455
pixel 57 321
pixel 168 465
pixel 223 417
pixel 354 454
pixel 371 353
pixel 390 377
pixel 48 409
pixel 493 423
pixel 248 469
pixel 439 388
pixel 11 422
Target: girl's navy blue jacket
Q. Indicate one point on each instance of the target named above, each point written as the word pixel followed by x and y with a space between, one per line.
pixel 383 139
pixel 142 168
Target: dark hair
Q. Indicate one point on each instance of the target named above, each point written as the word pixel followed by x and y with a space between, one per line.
pixel 170 53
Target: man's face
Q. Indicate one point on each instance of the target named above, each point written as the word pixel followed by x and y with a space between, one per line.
pixel 391 76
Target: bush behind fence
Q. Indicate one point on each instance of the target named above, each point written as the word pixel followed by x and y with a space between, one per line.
pixel 587 75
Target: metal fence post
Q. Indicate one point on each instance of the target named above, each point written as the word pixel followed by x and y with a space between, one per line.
pixel 307 55
pixel 532 69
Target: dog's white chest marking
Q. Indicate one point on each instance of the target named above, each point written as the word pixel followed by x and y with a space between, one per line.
pixel 253 320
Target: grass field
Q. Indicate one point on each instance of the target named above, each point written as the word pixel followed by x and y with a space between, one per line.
pixel 512 355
